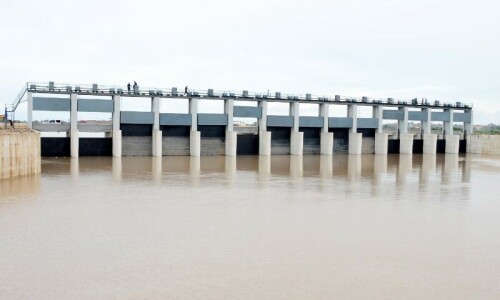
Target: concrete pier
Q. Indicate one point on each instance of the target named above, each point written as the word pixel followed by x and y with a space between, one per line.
pixel 265 143
pixel 381 138
pixel 296 143
pixel 195 143
pixel 117 143
pixel 452 143
pixel 378 115
pixel 157 136
pixel 296 137
pixel 264 135
pixel 326 143
pixel 355 139
pixel 448 125
pixel 425 124
pixel 117 133
pixel 430 143
pixel 231 143
pixel 355 143
pixel 74 134
pixel 381 143
pixel 194 135
pixel 326 138
pixel 406 143
pixel 231 136
pixel 75 143
pixel 403 123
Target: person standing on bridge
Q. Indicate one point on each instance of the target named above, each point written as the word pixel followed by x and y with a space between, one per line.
pixel 186 90
pixel 136 87
pixel 128 87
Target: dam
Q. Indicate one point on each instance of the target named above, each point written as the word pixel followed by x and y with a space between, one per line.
pixel 153 133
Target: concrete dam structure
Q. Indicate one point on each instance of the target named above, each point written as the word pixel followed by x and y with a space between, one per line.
pixel 19 153
pixel 146 133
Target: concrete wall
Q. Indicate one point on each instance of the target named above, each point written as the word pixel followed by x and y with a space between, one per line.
pixel 89 146
pixel 246 130
pixel 340 140
pixel 311 146
pixel 368 145
pixel 483 144
pixel 280 140
pixel 55 146
pixel 137 145
pixel 212 146
pixel 175 140
pixel 248 144
pixel 213 140
pixel 175 145
pixel 19 154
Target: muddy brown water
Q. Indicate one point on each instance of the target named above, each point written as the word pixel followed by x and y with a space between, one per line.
pixel 281 227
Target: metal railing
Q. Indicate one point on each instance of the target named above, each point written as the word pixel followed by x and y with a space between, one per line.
pixel 20 97
pixel 96 90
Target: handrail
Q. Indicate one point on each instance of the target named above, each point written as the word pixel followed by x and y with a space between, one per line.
pixel 19 97
pixel 243 95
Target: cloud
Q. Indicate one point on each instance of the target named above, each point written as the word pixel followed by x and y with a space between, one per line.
pixel 383 49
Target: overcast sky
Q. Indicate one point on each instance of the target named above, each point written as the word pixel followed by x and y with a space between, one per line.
pixel 446 50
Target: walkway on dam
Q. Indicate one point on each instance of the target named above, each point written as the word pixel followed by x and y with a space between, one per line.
pixel 211 94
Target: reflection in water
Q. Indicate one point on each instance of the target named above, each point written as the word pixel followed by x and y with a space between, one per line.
pixel 195 165
pixel 343 226
pixel 325 166
pixel 156 167
pixel 404 167
pixel 428 167
pixel 18 187
pixel 354 167
pixel 296 166
pixel 117 169
pixel 230 167
pixel 450 167
pixel 74 168
pixel 466 168
pixel 194 170
pixel 340 166
pixel 280 165
pixel 396 168
pixel 379 165
pixel 264 166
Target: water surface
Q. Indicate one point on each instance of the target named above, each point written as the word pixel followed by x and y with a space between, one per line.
pixel 281 227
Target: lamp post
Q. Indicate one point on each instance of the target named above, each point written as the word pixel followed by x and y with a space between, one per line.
pixel 5 117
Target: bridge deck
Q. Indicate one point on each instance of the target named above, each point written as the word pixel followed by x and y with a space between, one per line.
pixel 209 94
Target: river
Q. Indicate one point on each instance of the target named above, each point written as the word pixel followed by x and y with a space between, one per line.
pixel 281 227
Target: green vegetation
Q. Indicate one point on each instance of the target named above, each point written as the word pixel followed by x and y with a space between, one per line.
pixel 487 129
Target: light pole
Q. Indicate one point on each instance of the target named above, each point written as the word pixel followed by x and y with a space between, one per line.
pixel 5 117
